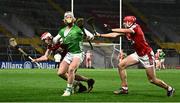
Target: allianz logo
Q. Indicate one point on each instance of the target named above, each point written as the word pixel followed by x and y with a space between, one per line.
pixel 26 64
pixel 47 65
pixel 11 65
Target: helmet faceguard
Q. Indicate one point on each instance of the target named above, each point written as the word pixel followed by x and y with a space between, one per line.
pixel 128 21
pixel 46 36
pixel 69 17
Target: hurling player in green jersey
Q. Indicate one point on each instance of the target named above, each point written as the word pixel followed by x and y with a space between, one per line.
pixel 72 37
pixel 162 59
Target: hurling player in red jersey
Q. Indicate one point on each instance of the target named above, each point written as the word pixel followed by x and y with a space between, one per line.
pixel 143 54
pixel 61 49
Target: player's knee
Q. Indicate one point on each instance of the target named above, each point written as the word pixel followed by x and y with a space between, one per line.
pixel 60 73
pixel 152 81
pixel 71 70
pixel 121 66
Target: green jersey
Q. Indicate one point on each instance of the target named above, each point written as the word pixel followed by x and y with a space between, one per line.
pixel 161 55
pixel 73 40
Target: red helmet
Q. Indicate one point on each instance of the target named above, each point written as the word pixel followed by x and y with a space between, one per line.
pixel 46 35
pixel 128 21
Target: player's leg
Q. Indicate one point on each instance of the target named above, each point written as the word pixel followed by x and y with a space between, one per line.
pixel 87 65
pixel 71 75
pixel 90 82
pixel 62 71
pixel 148 62
pixel 74 61
pixel 162 63
pixel 150 71
pixel 129 60
pixel 90 63
pixel 157 64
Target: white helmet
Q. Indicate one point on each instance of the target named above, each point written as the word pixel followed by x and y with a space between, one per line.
pixel 46 35
pixel 69 13
pixel 69 18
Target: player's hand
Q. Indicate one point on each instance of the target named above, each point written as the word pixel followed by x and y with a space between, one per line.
pixel 98 35
pixel 89 36
pixel 33 60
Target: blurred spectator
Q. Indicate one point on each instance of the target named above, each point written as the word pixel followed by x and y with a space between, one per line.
pixel 88 60
pixel 157 62
pixel 57 59
pixel 161 59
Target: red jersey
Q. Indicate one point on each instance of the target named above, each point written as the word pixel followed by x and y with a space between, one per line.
pixel 138 41
pixel 58 48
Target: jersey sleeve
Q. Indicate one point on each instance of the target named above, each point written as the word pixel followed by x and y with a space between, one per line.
pixel 56 39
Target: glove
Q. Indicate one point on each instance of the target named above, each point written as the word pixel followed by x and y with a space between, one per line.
pixel 107 28
pixel 89 35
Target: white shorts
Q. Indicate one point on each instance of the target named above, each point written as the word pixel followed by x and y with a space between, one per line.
pixel 156 61
pixel 146 60
pixel 162 60
pixel 69 57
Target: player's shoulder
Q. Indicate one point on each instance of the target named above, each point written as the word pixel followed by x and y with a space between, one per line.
pixel 77 27
pixel 136 26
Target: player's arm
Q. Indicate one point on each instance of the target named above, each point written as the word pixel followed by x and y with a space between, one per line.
pixel 110 35
pixel 44 57
pixel 117 32
pixel 57 38
pixel 122 30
